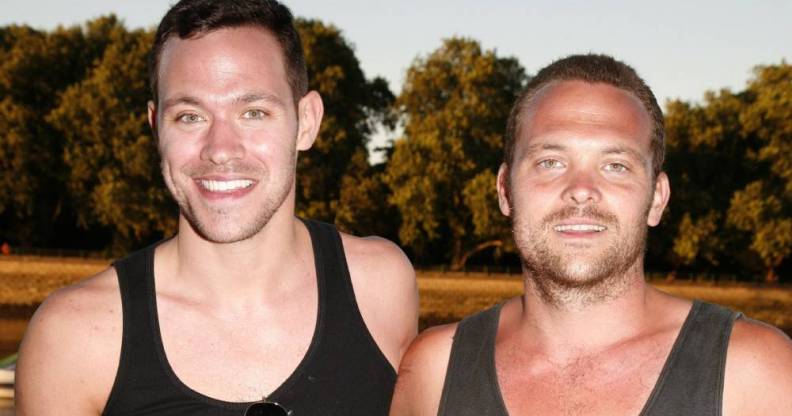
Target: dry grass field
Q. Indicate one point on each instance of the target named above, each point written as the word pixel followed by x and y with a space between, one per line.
pixel 445 297
pixel 27 280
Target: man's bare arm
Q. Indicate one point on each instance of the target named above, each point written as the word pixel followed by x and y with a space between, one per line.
pixel 386 292
pixel 70 351
pixel 422 373
pixel 758 371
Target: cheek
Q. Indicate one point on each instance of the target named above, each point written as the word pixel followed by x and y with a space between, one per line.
pixel 632 209
pixel 528 205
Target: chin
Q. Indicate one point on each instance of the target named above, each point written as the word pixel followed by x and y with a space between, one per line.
pixel 225 236
pixel 583 275
pixel 225 229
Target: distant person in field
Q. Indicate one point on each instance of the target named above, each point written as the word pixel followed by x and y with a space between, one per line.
pixel 581 180
pixel 248 309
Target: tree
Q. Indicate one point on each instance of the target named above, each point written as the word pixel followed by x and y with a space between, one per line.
pixel 454 107
pixel 335 182
pixel 111 155
pixel 700 141
pixel 763 208
pixel 35 67
pixel 729 163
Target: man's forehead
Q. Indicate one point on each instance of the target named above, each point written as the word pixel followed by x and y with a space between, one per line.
pixel 583 106
pixel 256 41
pixel 229 60
pixel 582 97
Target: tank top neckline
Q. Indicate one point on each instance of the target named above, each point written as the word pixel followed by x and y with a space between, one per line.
pixel 293 376
pixel 656 389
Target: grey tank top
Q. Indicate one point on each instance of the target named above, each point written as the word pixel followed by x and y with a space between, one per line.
pixel 691 382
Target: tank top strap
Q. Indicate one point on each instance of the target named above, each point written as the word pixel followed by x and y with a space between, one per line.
pixel 346 374
pixel 471 382
pixel 337 302
pixel 691 382
pixel 139 358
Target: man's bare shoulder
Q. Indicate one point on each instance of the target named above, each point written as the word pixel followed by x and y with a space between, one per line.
pixel 90 298
pixel 381 270
pixel 422 372
pixel 73 341
pixel 429 352
pixel 758 370
pixel 378 257
pixel 386 292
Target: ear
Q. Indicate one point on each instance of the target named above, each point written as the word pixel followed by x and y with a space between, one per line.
pixel 662 193
pixel 502 185
pixel 309 117
pixel 152 117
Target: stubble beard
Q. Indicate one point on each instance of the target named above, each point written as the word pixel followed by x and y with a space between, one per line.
pixel 561 278
pixel 224 224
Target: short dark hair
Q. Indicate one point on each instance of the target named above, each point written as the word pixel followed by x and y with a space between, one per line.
pixel 189 18
pixel 591 68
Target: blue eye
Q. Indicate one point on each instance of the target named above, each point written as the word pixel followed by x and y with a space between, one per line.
pixel 550 164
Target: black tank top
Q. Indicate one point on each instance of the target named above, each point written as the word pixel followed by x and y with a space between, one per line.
pixel 691 382
pixel 342 373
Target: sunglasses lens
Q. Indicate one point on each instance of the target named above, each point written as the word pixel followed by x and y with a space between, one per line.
pixel 266 409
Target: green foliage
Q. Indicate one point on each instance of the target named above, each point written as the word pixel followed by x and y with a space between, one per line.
pixel 698 239
pixel 77 156
pixel 334 180
pixel 700 141
pixel 35 67
pixel 114 176
pixel 454 106
pixel 763 208
pixel 363 207
pixel 730 163
pixel 76 149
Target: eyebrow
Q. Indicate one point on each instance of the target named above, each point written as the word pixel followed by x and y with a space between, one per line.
pixel 245 98
pixel 536 147
pixel 611 150
pixel 170 102
pixel 621 150
pixel 260 96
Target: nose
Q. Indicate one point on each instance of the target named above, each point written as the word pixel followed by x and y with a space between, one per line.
pixel 581 189
pixel 222 144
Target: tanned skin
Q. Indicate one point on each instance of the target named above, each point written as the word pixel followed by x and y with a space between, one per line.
pixel 238 281
pixel 589 336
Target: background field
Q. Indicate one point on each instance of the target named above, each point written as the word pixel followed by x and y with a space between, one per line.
pixel 445 297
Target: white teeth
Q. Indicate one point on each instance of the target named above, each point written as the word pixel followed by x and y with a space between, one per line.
pixel 225 186
pixel 579 227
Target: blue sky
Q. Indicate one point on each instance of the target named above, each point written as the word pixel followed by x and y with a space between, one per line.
pixel 681 48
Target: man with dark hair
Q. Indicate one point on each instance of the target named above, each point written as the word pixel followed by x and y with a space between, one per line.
pixel 248 309
pixel 581 181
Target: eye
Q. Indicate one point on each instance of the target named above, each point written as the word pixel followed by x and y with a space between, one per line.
pixel 616 167
pixel 254 113
pixel 550 164
pixel 189 118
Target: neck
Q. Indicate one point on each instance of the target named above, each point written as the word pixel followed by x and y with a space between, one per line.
pixel 271 262
pixel 566 321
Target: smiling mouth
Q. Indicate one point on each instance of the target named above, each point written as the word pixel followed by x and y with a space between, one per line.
pixel 580 228
pixel 225 186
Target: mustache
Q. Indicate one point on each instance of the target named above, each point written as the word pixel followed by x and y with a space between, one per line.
pixel 234 167
pixel 589 212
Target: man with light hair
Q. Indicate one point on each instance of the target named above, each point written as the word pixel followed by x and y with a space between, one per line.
pixel 581 181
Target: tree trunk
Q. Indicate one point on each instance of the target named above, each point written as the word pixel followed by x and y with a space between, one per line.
pixel 459 261
pixel 771 277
